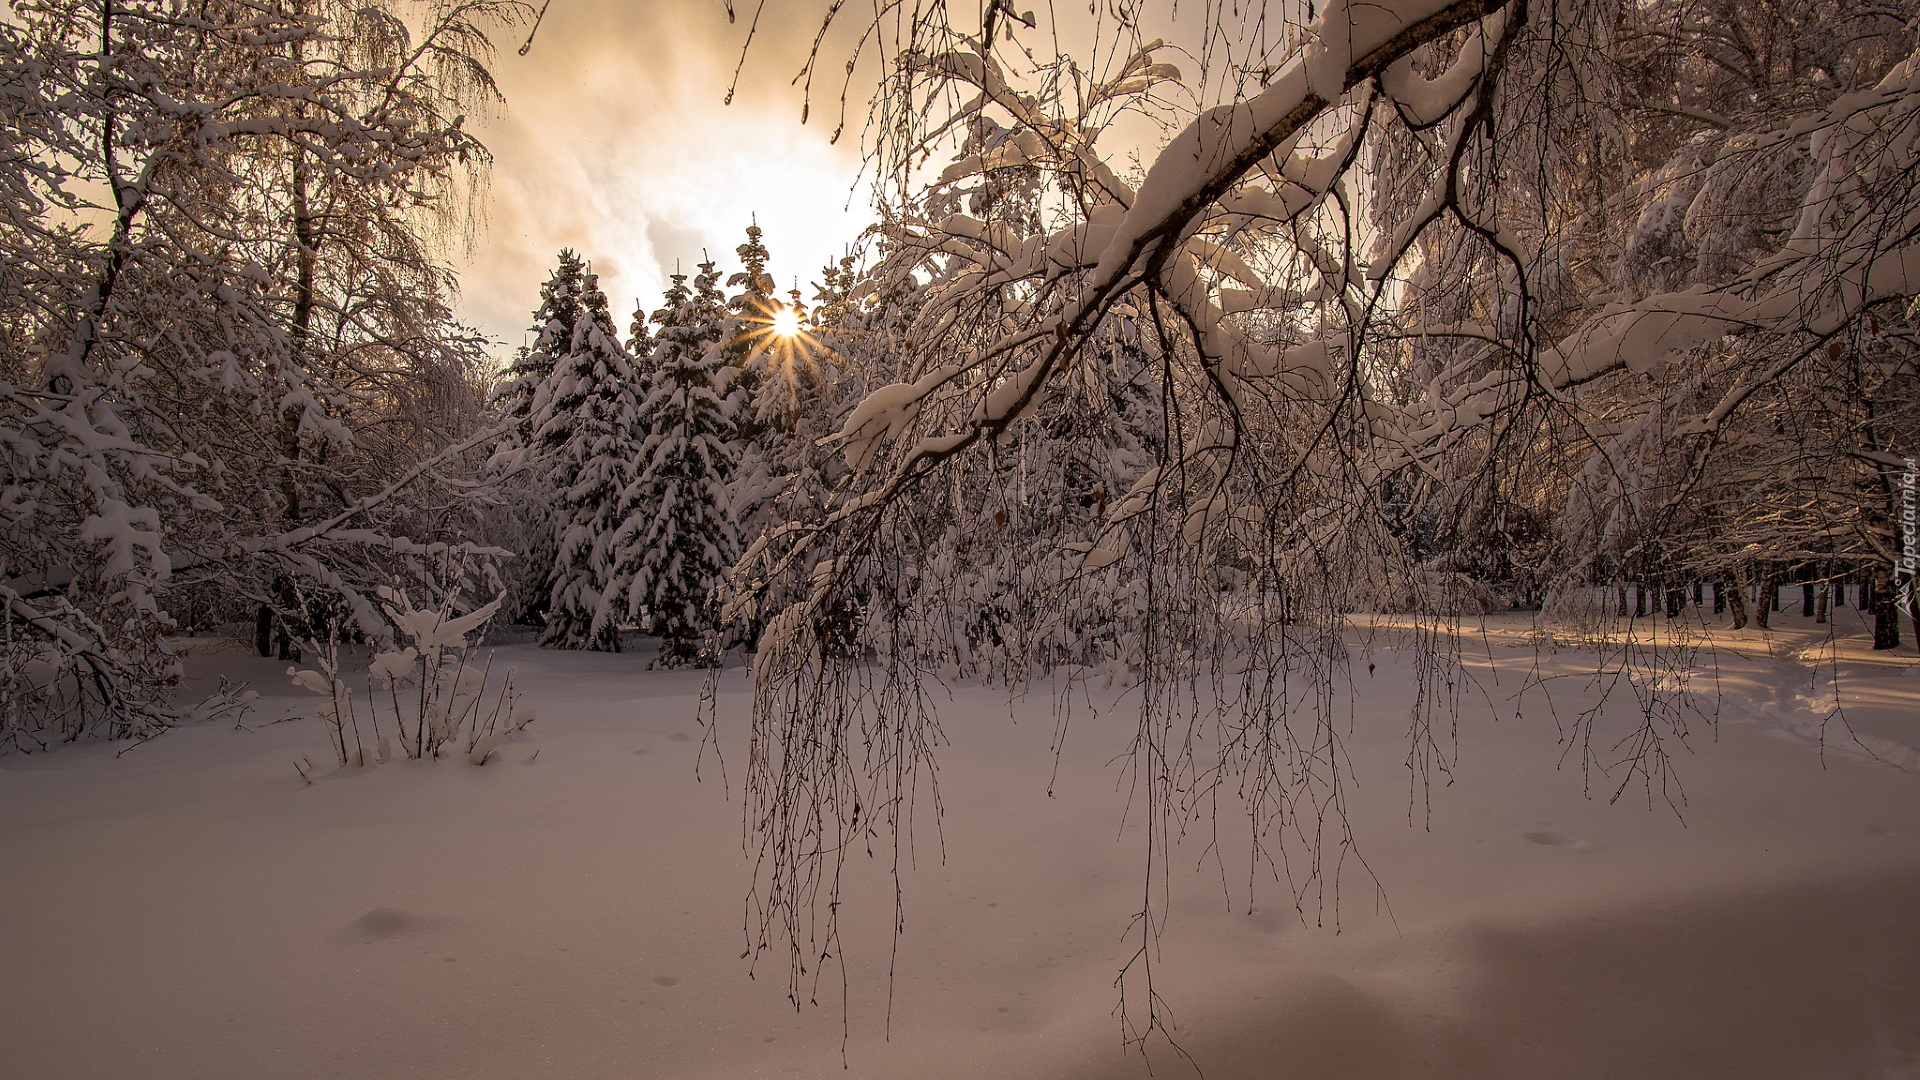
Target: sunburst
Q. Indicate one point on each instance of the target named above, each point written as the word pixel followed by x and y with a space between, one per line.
pixel 781 345
pixel 779 336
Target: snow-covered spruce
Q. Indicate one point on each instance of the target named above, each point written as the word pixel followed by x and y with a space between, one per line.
pixel 518 459
pixel 587 439
pixel 676 537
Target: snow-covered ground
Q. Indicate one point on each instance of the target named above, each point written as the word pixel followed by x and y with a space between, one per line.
pixel 193 908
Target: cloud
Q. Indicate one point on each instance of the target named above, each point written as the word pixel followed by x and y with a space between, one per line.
pixel 616 142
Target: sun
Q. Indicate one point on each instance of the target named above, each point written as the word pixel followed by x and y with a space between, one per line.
pixel 783 352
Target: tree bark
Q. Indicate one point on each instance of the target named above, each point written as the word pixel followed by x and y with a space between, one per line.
pixel 1913 608
pixel 1735 595
pixel 128 201
pixel 306 246
pixel 1886 616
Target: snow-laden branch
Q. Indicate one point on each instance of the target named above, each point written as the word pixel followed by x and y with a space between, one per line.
pixel 1850 251
pixel 294 538
pixel 1143 240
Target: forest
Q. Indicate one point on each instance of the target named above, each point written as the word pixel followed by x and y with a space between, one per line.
pixel 1163 364
pixel 1474 307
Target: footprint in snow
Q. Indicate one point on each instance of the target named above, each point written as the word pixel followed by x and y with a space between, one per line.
pixel 387 923
pixel 1548 838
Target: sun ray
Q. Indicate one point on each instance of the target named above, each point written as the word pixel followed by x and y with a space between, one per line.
pixel 782 349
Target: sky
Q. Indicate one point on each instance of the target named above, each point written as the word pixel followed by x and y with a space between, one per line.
pixel 615 141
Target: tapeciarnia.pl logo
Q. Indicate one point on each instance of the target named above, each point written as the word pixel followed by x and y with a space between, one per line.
pixel 1905 565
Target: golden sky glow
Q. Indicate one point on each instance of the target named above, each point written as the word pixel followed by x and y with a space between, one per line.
pixel 615 142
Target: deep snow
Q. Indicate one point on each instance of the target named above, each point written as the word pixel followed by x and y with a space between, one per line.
pixel 194 908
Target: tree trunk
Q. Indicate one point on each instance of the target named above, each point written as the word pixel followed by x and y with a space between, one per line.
pixel 1767 602
pixel 1639 599
pixel 1735 595
pixel 1824 599
pixel 1913 607
pixel 289 601
pixel 1720 596
pixel 1696 594
pixel 306 239
pixel 129 201
pixel 1886 616
pixel 1806 597
pixel 1623 599
pixel 1676 599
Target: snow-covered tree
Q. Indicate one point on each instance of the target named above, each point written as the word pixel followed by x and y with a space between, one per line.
pixel 561 304
pixel 640 341
pixel 756 297
pixel 518 459
pixel 781 371
pixel 676 537
pixel 233 377
pixel 1424 284
pixel 784 383
pixel 586 442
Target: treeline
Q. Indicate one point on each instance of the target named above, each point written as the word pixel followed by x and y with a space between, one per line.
pixel 636 467
pixel 1050 418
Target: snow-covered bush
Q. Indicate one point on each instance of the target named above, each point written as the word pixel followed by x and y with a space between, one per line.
pixel 430 695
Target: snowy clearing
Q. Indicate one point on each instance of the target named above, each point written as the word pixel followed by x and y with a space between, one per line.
pixel 193 908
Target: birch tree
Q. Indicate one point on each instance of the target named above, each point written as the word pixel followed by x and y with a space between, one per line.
pixel 1411 275
pixel 234 378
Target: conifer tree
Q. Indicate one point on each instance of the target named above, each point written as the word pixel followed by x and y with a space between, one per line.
pixel 676 539
pixel 640 342
pixel 520 398
pixel 561 300
pixel 753 275
pixel 586 437
pixel 749 333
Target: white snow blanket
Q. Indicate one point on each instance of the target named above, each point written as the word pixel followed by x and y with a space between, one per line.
pixel 573 909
